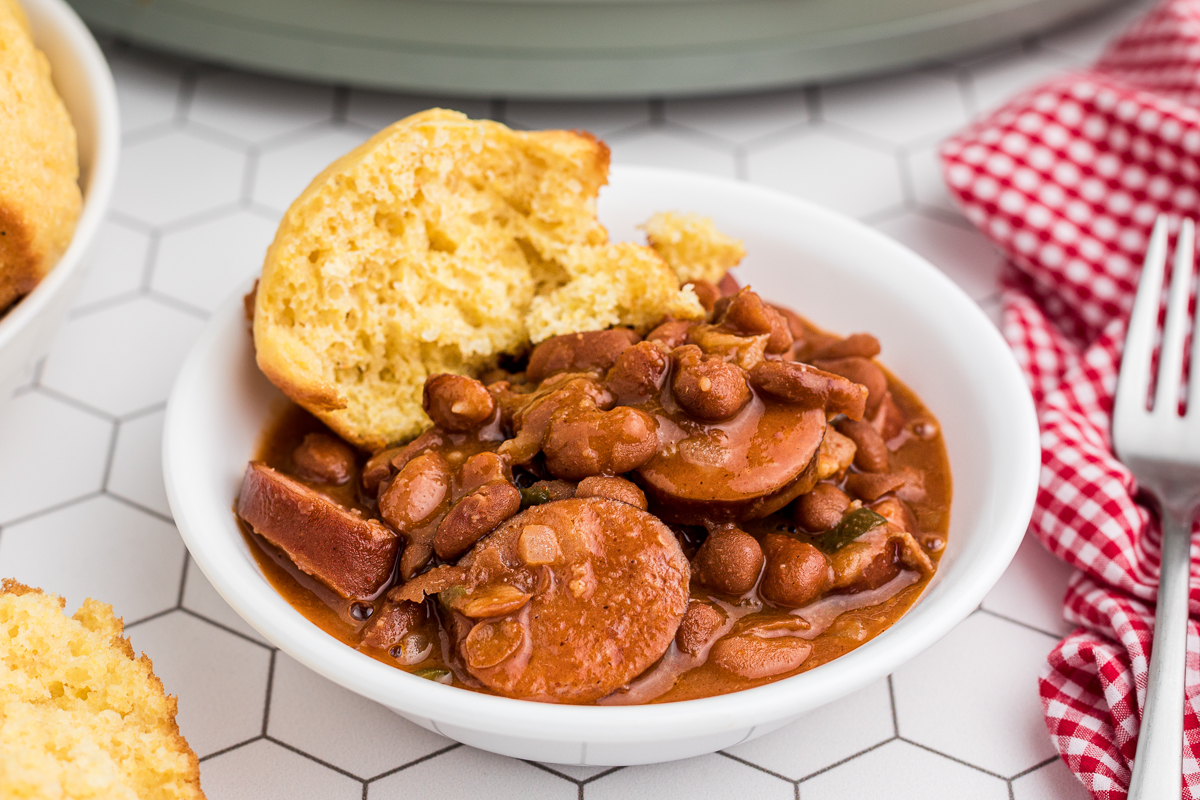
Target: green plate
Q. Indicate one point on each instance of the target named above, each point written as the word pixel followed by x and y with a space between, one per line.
pixel 573 48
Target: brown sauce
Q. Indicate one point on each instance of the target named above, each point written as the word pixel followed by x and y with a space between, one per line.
pixel 833 625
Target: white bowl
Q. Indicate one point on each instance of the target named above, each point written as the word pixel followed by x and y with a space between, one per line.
pixel 839 273
pixel 81 76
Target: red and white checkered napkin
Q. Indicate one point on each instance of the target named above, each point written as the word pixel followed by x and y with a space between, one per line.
pixel 1067 179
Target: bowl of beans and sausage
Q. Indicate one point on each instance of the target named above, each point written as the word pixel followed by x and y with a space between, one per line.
pixel 622 547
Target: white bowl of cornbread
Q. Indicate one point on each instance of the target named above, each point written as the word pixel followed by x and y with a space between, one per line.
pixel 61 143
pixel 442 243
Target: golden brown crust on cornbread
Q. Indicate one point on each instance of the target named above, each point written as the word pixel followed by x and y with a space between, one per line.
pixel 39 192
pixel 437 245
pixel 692 246
pixel 80 717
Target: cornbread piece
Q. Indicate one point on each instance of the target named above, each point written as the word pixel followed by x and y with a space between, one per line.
pixel 349 554
pixel 434 247
pixel 39 193
pixel 80 717
pixel 693 246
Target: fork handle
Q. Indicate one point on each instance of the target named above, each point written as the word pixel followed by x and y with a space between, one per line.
pixel 1158 763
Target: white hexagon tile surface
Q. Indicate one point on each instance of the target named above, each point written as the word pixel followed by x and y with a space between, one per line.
pixel 212 157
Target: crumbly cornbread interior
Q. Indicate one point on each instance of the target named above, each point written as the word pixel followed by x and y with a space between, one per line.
pixel 39 190
pixel 692 246
pixel 80 717
pixel 436 246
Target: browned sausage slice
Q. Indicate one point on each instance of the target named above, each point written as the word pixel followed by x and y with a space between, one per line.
pixel 608 585
pixel 351 555
pixel 744 468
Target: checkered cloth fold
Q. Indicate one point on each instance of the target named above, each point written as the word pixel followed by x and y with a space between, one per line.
pixel 1067 180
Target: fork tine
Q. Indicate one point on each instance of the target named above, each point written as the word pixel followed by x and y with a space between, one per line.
pixel 1170 365
pixel 1134 383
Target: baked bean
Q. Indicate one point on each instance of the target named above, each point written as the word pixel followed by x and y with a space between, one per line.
pixel 872 453
pixel 701 624
pixel 395 620
pixel 871 486
pixel 322 458
pixel 480 469
pixel 796 573
pixel 862 371
pixel 728 561
pixel 707 387
pixel 578 352
pixel 492 600
pixel 671 333
pixel 638 373
pixel 582 442
pixel 795 324
pixel 822 508
pixel 863 345
pixel 793 382
pixel 753 657
pixel 618 489
pixel 416 493
pixel 475 516
pixel 530 414
pixel 728 285
pixel 457 403
pixel 706 293
pixel 748 314
pixel 378 469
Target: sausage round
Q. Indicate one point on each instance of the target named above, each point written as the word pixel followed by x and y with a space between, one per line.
pixel 607 596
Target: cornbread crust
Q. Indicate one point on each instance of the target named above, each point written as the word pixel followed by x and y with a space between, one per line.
pixel 437 245
pixel 80 717
pixel 39 191
pixel 692 246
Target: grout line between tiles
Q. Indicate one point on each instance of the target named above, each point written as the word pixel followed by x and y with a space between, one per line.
pixel 415 761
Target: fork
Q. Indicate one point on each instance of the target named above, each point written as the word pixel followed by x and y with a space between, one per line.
pixel 1162 449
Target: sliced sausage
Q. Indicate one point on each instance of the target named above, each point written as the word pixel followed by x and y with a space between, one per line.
pixel 351 555
pixel 601 613
pixel 741 469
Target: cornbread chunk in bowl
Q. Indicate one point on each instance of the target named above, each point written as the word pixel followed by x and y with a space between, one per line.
pixel 80 717
pixel 40 199
pixel 692 246
pixel 437 246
